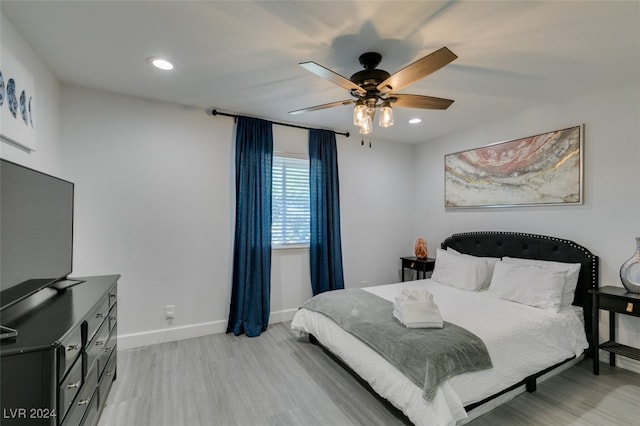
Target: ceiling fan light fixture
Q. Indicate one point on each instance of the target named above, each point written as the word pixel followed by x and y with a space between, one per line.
pixel 375 88
pixel 359 112
pixel 386 115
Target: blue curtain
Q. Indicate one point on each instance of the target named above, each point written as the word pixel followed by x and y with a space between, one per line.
pixel 249 312
pixel 325 249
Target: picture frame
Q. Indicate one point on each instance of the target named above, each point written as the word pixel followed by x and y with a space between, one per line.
pixel 541 170
pixel 17 103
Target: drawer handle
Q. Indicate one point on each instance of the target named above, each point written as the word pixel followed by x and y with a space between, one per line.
pixel 412 264
pixel 99 342
pixel 73 347
pixel 73 385
pixel 113 318
pixel 113 295
pixel 83 401
pixel 108 373
pixel 99 315
pixel 629 307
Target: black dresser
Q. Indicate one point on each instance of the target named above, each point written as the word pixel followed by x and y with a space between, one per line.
pixel 60 368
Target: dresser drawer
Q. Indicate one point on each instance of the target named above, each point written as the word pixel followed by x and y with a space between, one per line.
pixel 113 296
pixel 69 388
pixel 96 346
pixel 107 378
pixel 106 352
pixel 91 413
pixel 113 316
pixel 629 307
pixel 83 400
pixel 96 318
pixel 69 350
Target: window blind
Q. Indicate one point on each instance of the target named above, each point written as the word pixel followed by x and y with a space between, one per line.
pixel 290 201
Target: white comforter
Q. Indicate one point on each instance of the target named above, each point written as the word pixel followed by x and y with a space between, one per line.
pixel 521 340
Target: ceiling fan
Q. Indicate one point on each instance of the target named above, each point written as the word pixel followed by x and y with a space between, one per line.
pixel 374 88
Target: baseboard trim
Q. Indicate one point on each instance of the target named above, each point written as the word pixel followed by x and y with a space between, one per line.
pixel 627 364
pixel 171 334
pixel 621 361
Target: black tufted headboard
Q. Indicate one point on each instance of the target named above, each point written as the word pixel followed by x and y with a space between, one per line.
pixel 532 246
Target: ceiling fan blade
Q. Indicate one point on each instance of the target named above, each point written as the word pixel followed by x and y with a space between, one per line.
pixel 419 101
pixel 333 77
pixel 417 70
pixel 323 106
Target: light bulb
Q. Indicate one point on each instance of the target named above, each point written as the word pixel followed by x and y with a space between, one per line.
pixel 386 115
pixel 367 125
pixel 359 112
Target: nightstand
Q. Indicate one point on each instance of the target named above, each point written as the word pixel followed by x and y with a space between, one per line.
pixel 615 300
pixel 420 265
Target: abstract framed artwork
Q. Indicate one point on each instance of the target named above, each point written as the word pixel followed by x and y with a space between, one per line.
pixel 540 170
pixel 16 103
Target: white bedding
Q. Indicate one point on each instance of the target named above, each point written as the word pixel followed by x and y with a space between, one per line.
pixel 521 341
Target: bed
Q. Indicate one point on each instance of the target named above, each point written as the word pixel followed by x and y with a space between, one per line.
pixel 526 343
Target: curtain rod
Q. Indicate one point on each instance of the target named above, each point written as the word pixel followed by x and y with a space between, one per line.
pixel 215 112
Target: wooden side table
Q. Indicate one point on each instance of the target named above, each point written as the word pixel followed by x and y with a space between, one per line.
pixel 615 300
pixel 419 265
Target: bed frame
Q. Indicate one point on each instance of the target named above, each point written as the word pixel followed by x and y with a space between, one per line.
pixel 541 247
pixel 528 246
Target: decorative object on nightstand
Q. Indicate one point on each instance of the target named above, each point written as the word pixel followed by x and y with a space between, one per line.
pixel 630 271
pixel 420 249
pixel 615 300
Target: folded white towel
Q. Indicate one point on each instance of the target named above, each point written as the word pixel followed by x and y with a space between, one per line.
pixel 416 309
pixel 435 323
pixel 413 295
pixel 420 312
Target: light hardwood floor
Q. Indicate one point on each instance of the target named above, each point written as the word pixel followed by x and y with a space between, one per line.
pixel 274 379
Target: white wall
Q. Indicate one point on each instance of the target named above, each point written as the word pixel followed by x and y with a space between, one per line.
pixel 47 156
pixel 609 220
pixel 155 203
pixel 376 200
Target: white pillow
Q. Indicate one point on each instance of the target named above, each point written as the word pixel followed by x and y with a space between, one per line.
pixel 467 273
pixel 528 284
pixel 571 270
pixel 491 262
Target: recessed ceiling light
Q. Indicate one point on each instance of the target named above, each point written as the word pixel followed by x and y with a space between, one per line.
pixel 415 120
pixel 162 64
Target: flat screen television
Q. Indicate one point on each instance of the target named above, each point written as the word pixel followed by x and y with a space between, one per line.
pixel 36 231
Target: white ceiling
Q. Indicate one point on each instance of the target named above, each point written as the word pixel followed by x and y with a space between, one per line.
pixel 242 56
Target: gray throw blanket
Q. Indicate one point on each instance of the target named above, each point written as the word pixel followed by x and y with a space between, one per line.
pixel 427 356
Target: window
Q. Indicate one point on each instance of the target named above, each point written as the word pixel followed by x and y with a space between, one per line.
pixel 290 201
